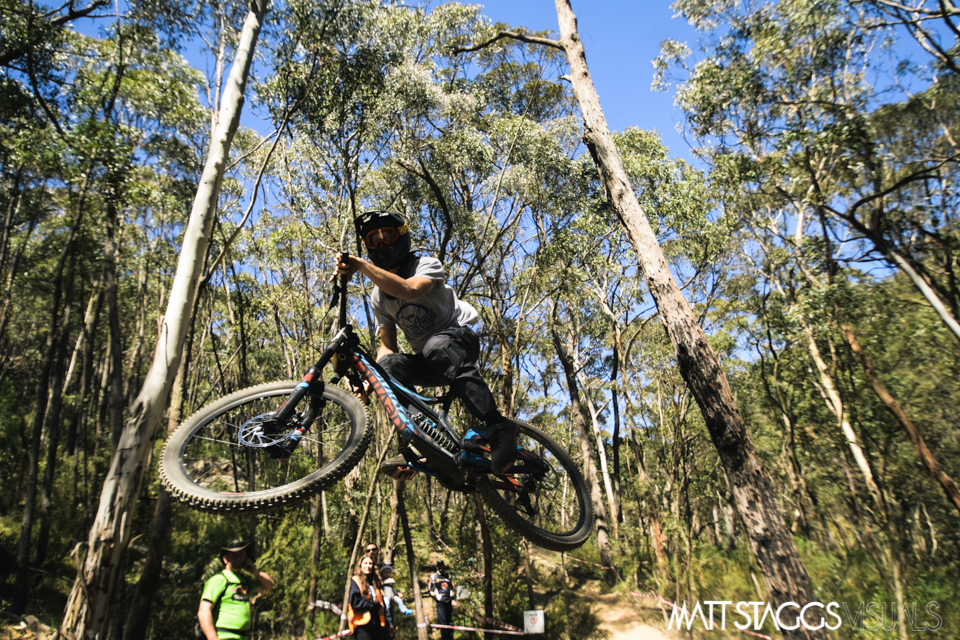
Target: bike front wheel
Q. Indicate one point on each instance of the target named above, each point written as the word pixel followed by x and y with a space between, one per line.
pixel 222 459
pixel 544 496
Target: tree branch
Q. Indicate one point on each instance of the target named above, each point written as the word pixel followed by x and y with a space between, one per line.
pixel 547 42
pixel 72 14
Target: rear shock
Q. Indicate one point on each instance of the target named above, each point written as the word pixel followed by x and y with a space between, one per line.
pixel 442 439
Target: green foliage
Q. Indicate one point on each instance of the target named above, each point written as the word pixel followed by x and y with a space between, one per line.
pixel 812 168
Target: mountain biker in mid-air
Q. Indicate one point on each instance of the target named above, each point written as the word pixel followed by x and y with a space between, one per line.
pixel 411 293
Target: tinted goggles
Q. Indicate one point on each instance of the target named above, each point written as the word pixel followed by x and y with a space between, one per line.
pixel 383 236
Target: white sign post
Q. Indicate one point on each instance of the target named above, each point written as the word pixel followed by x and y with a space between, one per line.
pixel 533 621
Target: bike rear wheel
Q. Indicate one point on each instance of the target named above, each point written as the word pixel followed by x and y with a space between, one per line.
pixel 544 496
pixel 220 459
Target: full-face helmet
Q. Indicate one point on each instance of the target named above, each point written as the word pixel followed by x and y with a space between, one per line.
pixel 386 236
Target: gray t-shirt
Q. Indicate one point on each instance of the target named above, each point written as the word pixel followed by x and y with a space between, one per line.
pixel 423 317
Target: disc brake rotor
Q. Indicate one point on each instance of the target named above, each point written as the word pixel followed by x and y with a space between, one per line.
pixel 252 433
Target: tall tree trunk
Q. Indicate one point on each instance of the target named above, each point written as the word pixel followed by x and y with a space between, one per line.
pixel 770 540
pixel 11 277
pixel 90 322
pixel 487 563
pixel 919 444
pixel 595 429
pixel 141 604
pixel 21 581
pixel 428 508
pixel 87 609
pixel 110 284
pixel 656 535
pixel 580 421
pixel 77 353
pixel 315 537
pixel 835 404
pixel 423 633
pixel 614 400
pixel 390 545
pixel 883 511
pixel 51 426
pixel 138 618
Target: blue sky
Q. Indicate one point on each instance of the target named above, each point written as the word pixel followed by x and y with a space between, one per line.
pixel 621 37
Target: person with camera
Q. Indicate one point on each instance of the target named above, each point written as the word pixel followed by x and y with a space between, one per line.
pixel 225 612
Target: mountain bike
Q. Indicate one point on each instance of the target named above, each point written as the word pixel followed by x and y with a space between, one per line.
pixel 272 445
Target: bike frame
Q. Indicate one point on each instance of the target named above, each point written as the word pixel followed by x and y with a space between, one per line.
pixel 348 358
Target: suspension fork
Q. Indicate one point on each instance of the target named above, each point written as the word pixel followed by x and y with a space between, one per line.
pixel 312 381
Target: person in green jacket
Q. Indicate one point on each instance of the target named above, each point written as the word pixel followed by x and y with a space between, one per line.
pixel 225 604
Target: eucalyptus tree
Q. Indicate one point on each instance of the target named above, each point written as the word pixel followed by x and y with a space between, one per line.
pixel 848 465
pixel 98 125
pixel 680 202
pixel 785 576
pixel 793 279
pixel 859 147
pixel 89 602
pixel 794 94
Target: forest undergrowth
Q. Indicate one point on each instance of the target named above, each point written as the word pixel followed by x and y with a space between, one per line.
pixel 813 230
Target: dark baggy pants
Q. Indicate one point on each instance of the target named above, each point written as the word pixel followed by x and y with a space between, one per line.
pixel 445 616
pixel 448 358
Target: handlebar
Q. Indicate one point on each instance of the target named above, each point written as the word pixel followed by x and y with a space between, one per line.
pixel 340 295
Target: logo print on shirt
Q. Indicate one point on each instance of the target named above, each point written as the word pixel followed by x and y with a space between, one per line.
pixel 415 319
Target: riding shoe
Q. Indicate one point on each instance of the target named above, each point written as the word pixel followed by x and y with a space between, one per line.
pixel 503 446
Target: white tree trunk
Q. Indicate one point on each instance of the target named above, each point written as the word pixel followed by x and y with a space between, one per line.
pixel 87 609
pixel 835 404
pixel 601 448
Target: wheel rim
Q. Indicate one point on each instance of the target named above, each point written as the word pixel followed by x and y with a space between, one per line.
pixel 540 487
pixel 228 453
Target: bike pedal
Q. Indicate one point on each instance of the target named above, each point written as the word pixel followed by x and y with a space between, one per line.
pixel 475 448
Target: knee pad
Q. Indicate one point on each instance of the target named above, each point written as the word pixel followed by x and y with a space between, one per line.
pixel 391 362
pixel 445 356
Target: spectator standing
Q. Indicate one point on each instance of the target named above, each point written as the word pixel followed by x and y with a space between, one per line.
pixel 367 611
pixel 440 588
pixel 225 612
pixel 374 552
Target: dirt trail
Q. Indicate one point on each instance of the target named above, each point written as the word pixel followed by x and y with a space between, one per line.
pixel 623 617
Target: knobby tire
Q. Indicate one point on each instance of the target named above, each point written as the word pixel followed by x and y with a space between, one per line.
pixel 206 466
pixel 550 517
